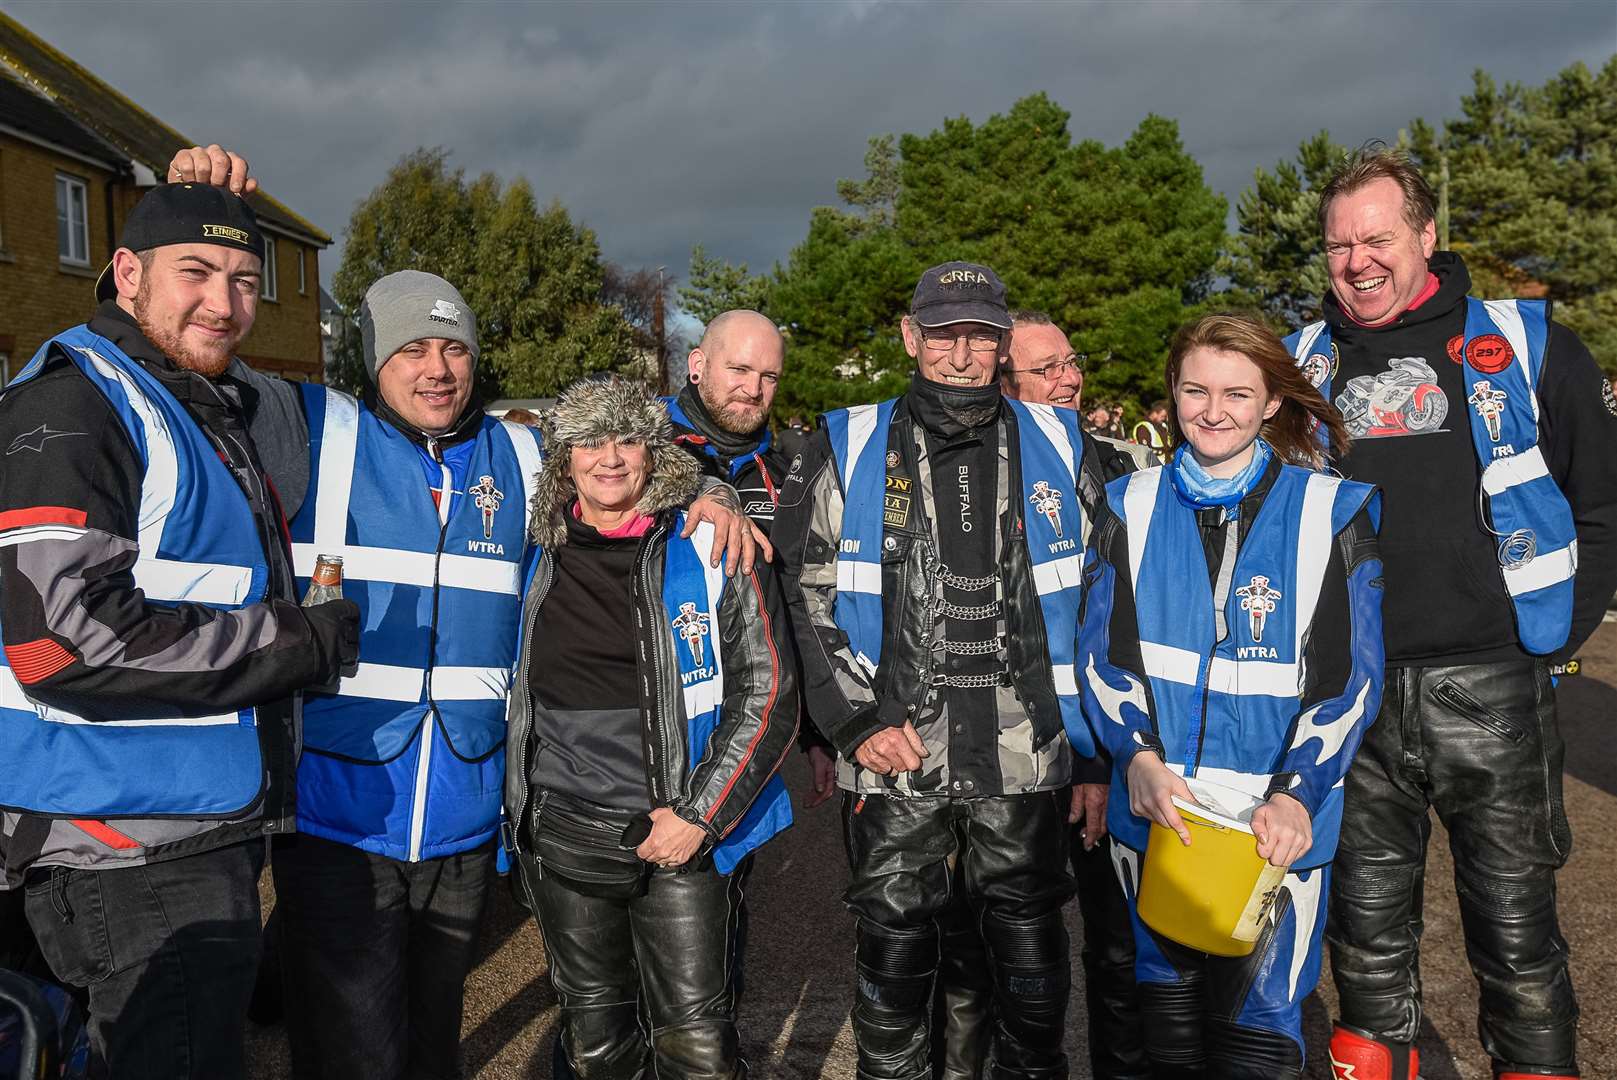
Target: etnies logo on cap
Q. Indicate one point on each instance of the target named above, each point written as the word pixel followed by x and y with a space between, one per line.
pixel 227 232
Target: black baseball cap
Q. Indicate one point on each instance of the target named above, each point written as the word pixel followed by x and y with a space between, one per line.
pixel 958 292
pixel 186 214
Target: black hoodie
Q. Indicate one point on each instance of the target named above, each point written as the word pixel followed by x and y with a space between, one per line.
pixel 1445 600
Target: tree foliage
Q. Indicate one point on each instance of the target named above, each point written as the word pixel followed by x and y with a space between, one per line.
pixel 1113 242
pixel 531 274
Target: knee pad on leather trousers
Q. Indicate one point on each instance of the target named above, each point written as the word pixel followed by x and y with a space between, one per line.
pixel 892 1001
pixel 1031 960
pixel 1359 1055
pixel 708 1049
pixel 1247 1053
pixel 1171 1018
pixel 604 1043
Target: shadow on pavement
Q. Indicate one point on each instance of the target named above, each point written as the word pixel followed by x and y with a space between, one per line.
pixel 1585 707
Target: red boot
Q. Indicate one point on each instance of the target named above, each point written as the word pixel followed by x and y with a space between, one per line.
pixel 1358 1055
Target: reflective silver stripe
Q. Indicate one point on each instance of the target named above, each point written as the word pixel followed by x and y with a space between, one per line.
pixel 160 482
pixel 1313 554
pixel 193 582
pixel 1139 503
pixel 1250 678
pixel 858 577
pixel 413 567
pixel 1066 572
pixel 12 696
pixel 1545 569
pixel 28 534
pixel 529 462
pixel 1504 473
pixel 394 682
pixel 339 441
pixel 1066 676
pixel 861 425
pixel 709 693
pixel 1306 338
pixel 1508 317
pixel 1050 425
pixel 702 696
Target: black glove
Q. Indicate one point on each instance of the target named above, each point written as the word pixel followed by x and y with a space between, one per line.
pixel 335 626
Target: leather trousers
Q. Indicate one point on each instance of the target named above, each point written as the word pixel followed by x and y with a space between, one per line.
pixel 644 984
pixel 1011 856
pixel 1479 744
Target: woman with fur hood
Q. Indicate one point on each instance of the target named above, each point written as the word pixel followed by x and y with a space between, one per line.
pixel 654 702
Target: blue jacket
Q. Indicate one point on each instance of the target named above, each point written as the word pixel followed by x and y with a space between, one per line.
pixel 1273 696
pixel 406 758
pixel 199 544
pixel 1525 510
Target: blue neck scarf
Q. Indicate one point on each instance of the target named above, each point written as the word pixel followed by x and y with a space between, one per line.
pixel 1201 490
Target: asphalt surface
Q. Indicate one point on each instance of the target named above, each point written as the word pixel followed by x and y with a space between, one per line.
pixel 799 963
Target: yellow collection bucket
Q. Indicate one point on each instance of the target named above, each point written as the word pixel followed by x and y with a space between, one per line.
pixel 1215 895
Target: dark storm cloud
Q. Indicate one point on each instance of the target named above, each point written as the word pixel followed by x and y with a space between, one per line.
pixel 668 124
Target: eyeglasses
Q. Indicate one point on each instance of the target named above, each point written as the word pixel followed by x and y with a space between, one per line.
pixel 1056 369
pixel 944 340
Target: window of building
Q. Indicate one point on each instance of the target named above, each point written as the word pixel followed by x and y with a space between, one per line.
pixel 72 220
pixel 303 272
pixel 270 285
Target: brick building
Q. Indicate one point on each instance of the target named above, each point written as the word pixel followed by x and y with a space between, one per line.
pixel 75 156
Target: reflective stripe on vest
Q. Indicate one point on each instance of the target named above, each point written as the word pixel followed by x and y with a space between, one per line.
pixel 1050 444
pixel 1526 511
pixel 1225 709
pixel 198 543
pixel 692 590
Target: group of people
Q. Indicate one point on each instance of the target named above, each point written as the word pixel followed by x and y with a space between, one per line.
pixel 1015 647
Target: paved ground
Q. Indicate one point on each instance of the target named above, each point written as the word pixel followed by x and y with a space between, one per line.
pixel 799 962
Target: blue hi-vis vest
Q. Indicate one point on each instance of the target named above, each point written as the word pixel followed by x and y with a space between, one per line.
pixel 1225 710
pixel 198 544
pixel 1050 445
pixel 691 592
pixel 679 416
pixel 1526 511
pixel 409 750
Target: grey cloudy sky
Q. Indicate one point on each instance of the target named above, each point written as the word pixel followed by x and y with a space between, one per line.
pixel 662 125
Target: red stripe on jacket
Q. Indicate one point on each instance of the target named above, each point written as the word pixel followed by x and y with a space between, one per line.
pixel 32 661
pixel 42 515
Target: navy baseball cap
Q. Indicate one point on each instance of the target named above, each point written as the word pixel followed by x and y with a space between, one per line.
pixel 958 292
pixel 186 214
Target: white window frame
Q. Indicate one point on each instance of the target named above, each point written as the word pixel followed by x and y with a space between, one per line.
pixel 66 185
pixel 270 289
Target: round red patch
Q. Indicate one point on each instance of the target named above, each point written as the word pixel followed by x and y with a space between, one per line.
pixel 1455 344
pixel 1489 353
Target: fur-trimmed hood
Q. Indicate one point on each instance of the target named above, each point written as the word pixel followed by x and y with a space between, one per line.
pixel 588 413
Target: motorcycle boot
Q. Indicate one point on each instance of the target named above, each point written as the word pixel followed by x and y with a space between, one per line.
pixel 1359 1055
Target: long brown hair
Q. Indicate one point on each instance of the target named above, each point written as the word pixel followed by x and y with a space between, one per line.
pixel 1293 429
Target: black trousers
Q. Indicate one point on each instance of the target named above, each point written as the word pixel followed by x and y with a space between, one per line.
pixel 168 954
pixel 1480 745
pixel 962 1020
pixel 375 953
pixel 645 984
pixel 1011 853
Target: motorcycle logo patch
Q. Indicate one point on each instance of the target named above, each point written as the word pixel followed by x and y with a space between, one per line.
pixel 487 499
pixel 1403 400
pixel 1258 601
pixel 1456 348
pixel 691 627
pixel 1317 368
pixel 1047 501
pixel 1489 353
pixel 1490 405
pixel 892 459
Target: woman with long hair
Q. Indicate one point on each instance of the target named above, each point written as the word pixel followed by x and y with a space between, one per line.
pixel 1231 643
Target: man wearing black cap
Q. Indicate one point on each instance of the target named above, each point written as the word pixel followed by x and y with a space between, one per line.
pixel 154 645
pixel 933 554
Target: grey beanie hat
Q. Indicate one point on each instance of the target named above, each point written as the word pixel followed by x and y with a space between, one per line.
pixel 410 306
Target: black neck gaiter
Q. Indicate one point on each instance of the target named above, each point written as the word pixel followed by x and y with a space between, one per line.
pixel 727 443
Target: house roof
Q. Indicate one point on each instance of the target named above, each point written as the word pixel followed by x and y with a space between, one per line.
pixel 115 118
pixel 25 111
